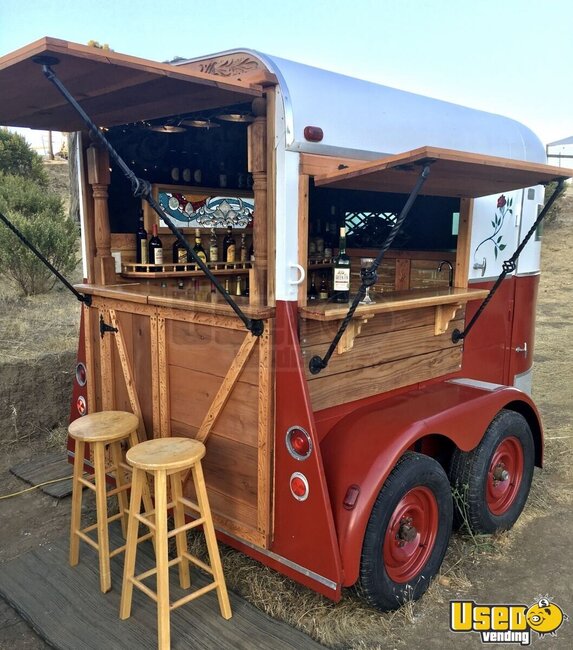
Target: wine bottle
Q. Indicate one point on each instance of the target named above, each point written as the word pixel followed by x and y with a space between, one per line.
pixel 311 241
pixel 328 243
pixel 312 292
pixel 252 253
pixel 213 248
pixel 238 290
pixel 229 246
pixel 341 271
pixel 155 249
pixel 243 248
pixel 179 254
pixel 198 248
pixel 141 256
pixel 323 291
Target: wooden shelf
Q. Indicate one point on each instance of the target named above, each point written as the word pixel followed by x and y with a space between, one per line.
pixel 149 271
pixel 323 310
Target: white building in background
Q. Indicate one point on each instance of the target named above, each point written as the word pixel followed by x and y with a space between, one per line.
pixel 39 140
pixel 560 152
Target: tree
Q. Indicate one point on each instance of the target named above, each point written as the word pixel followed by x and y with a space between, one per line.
pixel 17 158
pixel 40 217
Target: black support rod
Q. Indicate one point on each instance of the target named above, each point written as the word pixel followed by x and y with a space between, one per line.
pixel 80 296
pixel 142 188
pixel 509 265
pixel 317 363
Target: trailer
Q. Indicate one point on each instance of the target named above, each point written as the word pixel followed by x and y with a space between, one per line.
pixel 357 395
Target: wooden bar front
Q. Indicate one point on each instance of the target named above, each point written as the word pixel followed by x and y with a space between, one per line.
pixel 195 373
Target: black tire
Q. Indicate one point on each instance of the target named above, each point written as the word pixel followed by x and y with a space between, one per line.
pixel 482 502
pixel 384 582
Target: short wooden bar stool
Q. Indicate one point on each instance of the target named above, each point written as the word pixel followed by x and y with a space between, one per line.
pixel 168 459
pixel 101 430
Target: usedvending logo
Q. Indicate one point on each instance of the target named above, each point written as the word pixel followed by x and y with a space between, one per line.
pixel 507 623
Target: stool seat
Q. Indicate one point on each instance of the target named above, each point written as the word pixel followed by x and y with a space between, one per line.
pixel 105 426
pixel 169 454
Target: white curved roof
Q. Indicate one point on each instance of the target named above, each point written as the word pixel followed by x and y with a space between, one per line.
pixel 364 119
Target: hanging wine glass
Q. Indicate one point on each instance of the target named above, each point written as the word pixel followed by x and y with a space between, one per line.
pixel 365 264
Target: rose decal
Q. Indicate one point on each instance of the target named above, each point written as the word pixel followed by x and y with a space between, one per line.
pixel 504 207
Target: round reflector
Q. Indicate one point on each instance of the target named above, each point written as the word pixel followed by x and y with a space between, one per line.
pixel 298 443
pixel 299 486
pixel 81 405
pixel 81 374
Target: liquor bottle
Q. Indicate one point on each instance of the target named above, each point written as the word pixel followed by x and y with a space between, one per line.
pixel 229 246
pixel 311 241
pixel 179 254
pixel 141 256
pixel 252 252
pixel 312 292
pixel 238 290
pixel 341 271
pixel 155 248
pixel 328 243
pixel 222 175
pixel 323 291
pixel 243 248
pixel 213 248
pixel 319 241
pixel 198 248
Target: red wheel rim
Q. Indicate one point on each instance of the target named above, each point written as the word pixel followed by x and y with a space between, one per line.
pixel 504 475
pixel 411 535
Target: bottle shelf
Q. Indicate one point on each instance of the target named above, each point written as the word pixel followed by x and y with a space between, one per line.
pixel 320 263
pixel 190 270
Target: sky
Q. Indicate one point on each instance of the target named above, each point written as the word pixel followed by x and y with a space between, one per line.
pixel 512 57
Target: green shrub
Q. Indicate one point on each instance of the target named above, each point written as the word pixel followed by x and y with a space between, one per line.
pixel 41 218
pixel 19 159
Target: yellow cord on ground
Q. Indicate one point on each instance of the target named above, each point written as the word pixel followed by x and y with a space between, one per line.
pixel 54 480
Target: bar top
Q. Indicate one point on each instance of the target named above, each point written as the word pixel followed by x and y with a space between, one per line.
pixel 396 301
pixel 187 299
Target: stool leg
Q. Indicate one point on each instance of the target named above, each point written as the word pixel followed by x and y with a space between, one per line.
pixel 138 479
pixel 120 482
pixel 181 538
pixel 162 558
pixel 101 514
pixel 147 500
pixel 77 492
pixel 209 530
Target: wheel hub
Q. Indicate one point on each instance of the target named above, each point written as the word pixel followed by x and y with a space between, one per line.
pixel 505 475
pixel 407 531
pixel 500 473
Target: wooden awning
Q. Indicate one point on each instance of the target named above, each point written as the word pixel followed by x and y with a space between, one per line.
pixel 112 88
pixel 452 173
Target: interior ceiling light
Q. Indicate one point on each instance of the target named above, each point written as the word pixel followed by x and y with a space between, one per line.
pixel 167 128
pixel 201 123
pixel 244 118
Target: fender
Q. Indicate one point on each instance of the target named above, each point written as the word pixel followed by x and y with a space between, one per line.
pixel 363 447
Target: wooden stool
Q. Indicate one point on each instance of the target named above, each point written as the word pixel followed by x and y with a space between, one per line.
pixel 107 428
pixel 162 458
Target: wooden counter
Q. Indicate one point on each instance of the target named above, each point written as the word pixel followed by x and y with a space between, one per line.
pixel 396 301
pixel 185 299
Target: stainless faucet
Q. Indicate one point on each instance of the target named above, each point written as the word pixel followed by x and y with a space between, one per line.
pixel 451 273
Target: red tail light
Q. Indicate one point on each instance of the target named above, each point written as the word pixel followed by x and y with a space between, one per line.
pixel 81 374
pixel 81 405
pixel 299 443
pixel 299 486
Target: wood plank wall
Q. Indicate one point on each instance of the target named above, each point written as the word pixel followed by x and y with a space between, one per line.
pixel 393 350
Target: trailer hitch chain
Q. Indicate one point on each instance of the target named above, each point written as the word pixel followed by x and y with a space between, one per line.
pixel 104 327
pixel 142 188
pixel 318 363
pixel 510 265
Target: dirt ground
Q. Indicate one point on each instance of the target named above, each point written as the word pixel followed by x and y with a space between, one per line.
pixel 531 560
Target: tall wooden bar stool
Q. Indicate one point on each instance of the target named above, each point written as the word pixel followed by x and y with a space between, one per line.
pixel 101 430
pixel 168 459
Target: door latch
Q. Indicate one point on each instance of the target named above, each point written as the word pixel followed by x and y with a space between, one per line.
pixel 523 349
